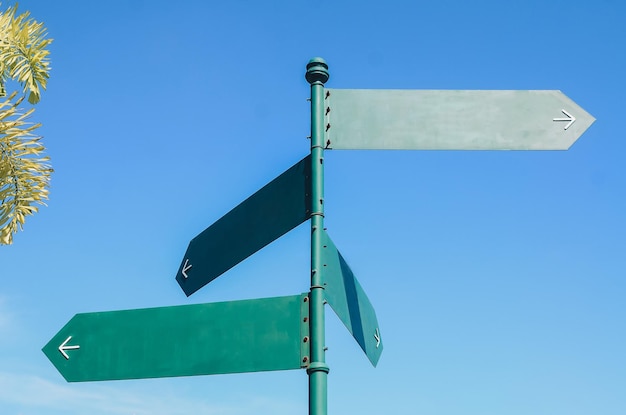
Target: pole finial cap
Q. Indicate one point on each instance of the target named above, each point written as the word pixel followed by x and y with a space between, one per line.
pixel 317 71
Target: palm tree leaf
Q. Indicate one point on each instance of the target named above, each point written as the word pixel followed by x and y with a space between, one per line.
pixel 24 170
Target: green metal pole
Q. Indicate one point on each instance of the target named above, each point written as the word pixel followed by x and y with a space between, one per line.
pixel 317 75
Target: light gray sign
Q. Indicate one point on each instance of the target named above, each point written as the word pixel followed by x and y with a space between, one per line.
pixel 452 120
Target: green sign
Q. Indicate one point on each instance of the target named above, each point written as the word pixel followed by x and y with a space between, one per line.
pixel 201 339
pixel 265 216
pixel 452 120
pixel 347 298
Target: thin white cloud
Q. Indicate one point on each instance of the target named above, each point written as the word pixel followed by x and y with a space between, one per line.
pixel 29 394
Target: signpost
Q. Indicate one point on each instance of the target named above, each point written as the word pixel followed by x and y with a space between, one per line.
pixel 201 339
pixel 317 75
pixel 288 332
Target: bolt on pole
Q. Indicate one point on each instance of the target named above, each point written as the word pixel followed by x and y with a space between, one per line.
pixel 317 75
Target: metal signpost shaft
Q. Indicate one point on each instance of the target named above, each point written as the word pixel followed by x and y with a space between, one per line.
pixel 317 75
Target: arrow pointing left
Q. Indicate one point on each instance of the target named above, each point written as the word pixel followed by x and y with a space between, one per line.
pixel 186 268
pixel 63 347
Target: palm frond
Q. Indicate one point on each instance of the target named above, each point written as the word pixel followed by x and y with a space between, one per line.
pixel 24 171
pixel 24 56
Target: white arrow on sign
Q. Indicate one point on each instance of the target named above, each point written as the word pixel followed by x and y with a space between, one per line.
pixel 569 118
pixel 377 338
pixel 186 268
pixel 63 347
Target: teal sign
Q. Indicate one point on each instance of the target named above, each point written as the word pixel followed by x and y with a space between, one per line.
pixel 201 339
pixel 452 120
pixel 349 301
pixel 265 216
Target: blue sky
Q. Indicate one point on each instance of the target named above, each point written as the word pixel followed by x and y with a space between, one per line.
pixel 498 277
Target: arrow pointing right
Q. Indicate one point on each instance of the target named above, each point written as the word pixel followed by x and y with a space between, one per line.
pixel 569 118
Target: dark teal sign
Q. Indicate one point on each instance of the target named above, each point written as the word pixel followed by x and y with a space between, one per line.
pixel 277 208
